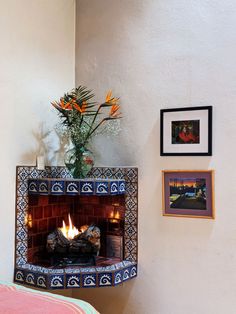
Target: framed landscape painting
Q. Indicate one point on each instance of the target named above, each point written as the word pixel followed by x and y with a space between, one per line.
pixel 188 193
pixel 186 131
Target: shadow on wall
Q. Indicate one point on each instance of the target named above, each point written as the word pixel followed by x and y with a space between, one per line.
pixel 102 63
pixel 45 142
pixel 114 299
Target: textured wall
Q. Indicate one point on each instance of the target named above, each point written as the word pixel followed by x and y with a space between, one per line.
pixel 37 66
pixel 160 54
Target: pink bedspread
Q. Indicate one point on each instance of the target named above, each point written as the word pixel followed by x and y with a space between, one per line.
pixel 25 301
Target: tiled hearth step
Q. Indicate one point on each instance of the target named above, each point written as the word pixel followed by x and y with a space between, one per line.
pixel 76 186
pixel 68 278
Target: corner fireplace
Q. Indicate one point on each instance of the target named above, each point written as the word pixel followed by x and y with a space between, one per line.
pixel 101 210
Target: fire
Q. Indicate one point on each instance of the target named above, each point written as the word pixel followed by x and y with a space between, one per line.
pixel 70 231
pixel 114 216
pixel 117 215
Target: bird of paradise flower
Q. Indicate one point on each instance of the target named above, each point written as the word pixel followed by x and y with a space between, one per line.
pixel 80 114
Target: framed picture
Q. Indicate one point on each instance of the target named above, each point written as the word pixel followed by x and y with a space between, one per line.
pixel 186 131
pixel 188 193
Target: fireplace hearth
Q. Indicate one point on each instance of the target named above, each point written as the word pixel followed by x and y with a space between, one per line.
pixel 73 233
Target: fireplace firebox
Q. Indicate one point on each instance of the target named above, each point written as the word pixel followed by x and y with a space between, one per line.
pixel 73 233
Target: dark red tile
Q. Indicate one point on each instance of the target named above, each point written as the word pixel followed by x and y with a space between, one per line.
pixel 71 199
pixel 33 200
pixel 34 228
pixel 59 221
pixel 56 211
pixel 93 200
pixel 84 199
pixel 52 224
pixel 105 199
pixel 78 209
pixel 47 211
pixel 61 199
pixel 43 225
pixel 43 200
pixel 99 211
pixel 52 199
pixel 82 221
pixel 30 242
pixel 38 212
pixel 88 210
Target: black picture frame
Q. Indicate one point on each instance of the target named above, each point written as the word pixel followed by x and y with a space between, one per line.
pixel 186 148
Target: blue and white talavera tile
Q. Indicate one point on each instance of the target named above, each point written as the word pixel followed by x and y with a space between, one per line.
pixel 114 187
pixel 57 187
pixel 43 187
pixel 21 234
pixel 133 271
pixel 118 277
pixel 41 281
pixel 72 281
pixel 21 203
pixel 104 279
pixel 72 187
pixel 86 187
pixel 121 187
pixel 89 280
pixel 33 186
pixel 19 276
pixel 101 188
pixel 126 274
pixel 56 281
pixel 30 278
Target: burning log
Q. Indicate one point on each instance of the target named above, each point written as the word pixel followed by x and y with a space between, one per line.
pixel 67 247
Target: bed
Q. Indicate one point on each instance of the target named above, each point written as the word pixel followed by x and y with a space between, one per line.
pixel 15 299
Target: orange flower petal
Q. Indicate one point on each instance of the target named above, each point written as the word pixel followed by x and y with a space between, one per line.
pixel 77 107
pixel 108 97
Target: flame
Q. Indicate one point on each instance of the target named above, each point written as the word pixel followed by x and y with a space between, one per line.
pixel 83 228
pixel 29 220
pixel 114 216
pixel 117 215
pixel 70 231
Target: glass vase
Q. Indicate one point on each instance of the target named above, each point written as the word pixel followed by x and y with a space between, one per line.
pixel 79 161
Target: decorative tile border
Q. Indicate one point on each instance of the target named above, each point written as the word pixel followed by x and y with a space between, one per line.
pixel 57 181
pixel 72 281
pixel 66 280
pixel 104 279
pixel 94 186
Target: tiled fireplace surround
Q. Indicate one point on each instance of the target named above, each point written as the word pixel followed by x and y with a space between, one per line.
pixel 47 212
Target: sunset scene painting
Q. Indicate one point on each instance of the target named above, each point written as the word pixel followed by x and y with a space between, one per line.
pixel 187 193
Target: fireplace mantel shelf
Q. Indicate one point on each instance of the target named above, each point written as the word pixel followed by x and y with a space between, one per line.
pixel 88 186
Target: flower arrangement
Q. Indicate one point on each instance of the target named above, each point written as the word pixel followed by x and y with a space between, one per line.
pixel 81 119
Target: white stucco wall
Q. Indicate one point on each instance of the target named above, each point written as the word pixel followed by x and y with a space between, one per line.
pixel 160 54
pixel 37 66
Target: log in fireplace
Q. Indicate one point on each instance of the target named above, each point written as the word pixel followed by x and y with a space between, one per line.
pixel 71 246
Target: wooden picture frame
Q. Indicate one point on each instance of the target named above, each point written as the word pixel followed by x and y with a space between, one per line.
pixel 188 193
pixel 186 131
